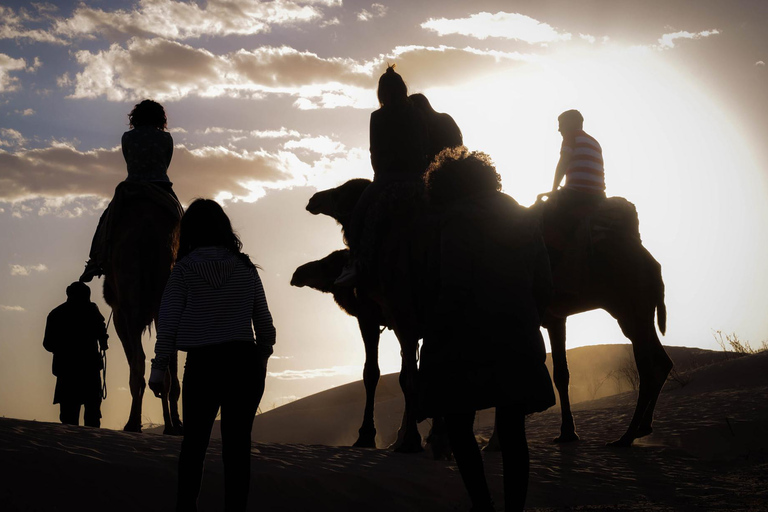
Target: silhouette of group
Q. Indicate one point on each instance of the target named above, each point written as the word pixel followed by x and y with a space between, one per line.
pixel 478 287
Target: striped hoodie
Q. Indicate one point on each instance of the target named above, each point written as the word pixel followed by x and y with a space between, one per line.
pixel 212 297
pixel 585 166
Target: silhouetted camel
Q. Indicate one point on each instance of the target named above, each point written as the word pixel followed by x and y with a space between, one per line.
pixel 320 275
pixel 142 247
pixel 621 277
pixel 625 280
pixel 395 288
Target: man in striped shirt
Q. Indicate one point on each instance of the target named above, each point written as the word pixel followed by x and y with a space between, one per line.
pixel 581 159
pixel 581 164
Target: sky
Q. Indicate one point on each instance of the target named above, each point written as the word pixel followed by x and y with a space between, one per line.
pixel 269 102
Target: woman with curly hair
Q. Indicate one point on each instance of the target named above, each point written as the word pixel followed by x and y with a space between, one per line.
pixel 215 309
pixel 482 344
pixel 147 149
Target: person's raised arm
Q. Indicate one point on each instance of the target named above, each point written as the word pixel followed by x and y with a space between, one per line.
pixel 562 165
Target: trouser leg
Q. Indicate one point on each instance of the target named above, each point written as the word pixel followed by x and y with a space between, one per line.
pixel 69 413
pixel 462 437
pixel 92 415
pixel 245 388
pixel 514 453
pixel 200 402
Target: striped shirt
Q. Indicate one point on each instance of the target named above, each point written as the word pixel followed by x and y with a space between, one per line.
pixel 585 163
pixel 211 297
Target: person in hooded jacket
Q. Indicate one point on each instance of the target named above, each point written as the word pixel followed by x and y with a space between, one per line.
pixel 75 332
pixel 212 305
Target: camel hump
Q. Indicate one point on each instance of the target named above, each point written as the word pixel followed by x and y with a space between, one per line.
pixel 617 215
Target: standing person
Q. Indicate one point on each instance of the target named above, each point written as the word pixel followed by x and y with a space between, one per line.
pixel 482 343
pixel 212 304
pixel 399 140
pixel 75 332
pixel 444 133
pixel 147 149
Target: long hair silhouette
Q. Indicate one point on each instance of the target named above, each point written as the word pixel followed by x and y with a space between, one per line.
pixel 205 224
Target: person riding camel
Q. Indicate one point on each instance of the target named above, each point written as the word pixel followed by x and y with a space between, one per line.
pixel 581 164
pixel 399 150
pixel 147 149
pixel 444 133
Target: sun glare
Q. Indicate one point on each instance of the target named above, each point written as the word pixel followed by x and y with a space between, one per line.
pixel 669 147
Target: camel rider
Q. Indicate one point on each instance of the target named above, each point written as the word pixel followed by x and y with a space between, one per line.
pixel 147 149
pixel 581 164
pixel 399 138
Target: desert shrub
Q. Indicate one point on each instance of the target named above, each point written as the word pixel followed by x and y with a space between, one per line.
pixel 730 343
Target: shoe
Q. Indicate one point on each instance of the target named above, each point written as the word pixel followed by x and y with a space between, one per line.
pixel 348 277
pixel 92 270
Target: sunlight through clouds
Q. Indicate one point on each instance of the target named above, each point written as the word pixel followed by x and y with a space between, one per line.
pixel 502 24
pixel 186 20
pixel 668 40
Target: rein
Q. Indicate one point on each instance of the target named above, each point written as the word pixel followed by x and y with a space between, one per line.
pixel 104 365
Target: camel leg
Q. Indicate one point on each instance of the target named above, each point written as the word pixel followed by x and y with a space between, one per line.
pixel 134 352
pixel 437 440
pixel 653 366
pixel 408 437
pixel 556 330
pixel 369 329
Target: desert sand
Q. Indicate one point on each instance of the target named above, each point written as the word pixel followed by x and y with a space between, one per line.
pixel 709 451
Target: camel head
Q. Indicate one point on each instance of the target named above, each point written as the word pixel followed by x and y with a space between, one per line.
pixel 321 274
pixel 338 202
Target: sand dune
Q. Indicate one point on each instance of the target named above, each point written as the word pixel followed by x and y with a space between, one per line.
pixel 709 451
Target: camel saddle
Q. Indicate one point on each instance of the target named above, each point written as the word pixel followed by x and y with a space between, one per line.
pixel 613 218
pixel 126 193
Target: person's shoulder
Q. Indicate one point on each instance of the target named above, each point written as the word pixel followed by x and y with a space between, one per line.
pixel 58 310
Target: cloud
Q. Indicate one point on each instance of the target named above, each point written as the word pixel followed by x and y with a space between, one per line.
pixel 282 133
pixel 760 63
pixel 184 20
pixel 13 24
pixel 424 66
pixel 588 38
pixel 12 308
pixel 502 24
pixel 61 180
pixel 8 64
pixel 25 113
pixel 668 40
pixel 334 371
pixel 168 70
pixel 10 137
pixel 323 145
pixel 25 270
pixel 377 11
